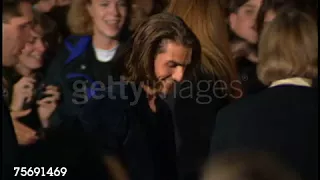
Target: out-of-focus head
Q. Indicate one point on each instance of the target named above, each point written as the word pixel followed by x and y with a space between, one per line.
pixel 164 49
pixel 45 6
pixel 138 15
pixel 16 28
pixel 247 166
pixel 63 2
pixel 288 47
pixel 151 7
pixel 142 9
pixel 103 17
pixel 146 5
pixel 270 8
pixel 31 57
pixel 242 18
pixel 206 19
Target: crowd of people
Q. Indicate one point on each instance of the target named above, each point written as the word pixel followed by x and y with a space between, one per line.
pixel 160 89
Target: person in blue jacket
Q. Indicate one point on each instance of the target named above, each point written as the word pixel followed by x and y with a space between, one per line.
pixel 86 59
pixel 89 56
pixel 130 123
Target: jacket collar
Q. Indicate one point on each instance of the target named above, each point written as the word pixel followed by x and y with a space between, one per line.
pixel 297 81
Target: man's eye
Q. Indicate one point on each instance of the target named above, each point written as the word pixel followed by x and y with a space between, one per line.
pixel 172 64
pixel 249 12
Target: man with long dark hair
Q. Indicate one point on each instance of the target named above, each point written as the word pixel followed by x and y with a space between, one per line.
pixel 131 123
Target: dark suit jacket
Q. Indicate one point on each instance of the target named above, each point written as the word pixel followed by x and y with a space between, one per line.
pixel 195 108
pixel 282 120
pixel 124 126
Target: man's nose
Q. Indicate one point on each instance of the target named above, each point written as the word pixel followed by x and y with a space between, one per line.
pixel 178 74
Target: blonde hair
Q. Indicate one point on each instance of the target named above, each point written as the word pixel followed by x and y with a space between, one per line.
pixel 250 165
pixel 288 47
pixel 206 20
pixel 79 19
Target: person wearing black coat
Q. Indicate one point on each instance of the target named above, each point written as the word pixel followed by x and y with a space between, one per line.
pixel 282 119
pixel 196 104
pixel 131 123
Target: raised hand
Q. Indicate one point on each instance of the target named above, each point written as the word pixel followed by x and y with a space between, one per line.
pixel 22 93
pixel 47 105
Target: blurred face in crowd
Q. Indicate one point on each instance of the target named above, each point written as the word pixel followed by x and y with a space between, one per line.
pixel 32 54
pixel 16 32
pixel 146 5
pixel 63 2
pixel 45 5
pixel 108 16
pixel 170 64
pixel 242 22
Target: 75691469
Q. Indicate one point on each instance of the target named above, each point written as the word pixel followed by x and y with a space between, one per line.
pixel 40 171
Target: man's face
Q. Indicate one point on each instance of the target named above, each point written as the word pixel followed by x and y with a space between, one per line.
pixel 170 64
pixel 16 33
pixel 243 21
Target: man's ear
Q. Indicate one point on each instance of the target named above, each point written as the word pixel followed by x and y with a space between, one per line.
pixel 233 20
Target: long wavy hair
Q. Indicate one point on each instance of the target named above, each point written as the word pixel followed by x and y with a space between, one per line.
pixel 147 42
pixel 206 20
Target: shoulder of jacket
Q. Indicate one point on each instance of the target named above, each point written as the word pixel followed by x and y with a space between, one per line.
pixel 74 39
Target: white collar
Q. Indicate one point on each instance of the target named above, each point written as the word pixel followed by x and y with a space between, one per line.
pixel 105 55
pixel 297 81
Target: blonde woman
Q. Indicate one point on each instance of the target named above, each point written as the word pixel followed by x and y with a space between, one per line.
pixel 284 117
